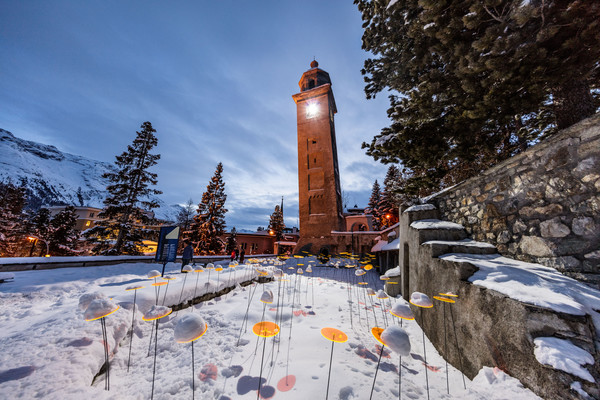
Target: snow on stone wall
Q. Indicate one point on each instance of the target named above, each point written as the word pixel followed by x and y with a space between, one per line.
pixel 541 206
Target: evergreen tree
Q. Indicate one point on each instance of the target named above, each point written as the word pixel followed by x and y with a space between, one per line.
pixel 64 237
pixel 389 202
pixel 231 241
pixel 39 226
pixel 209 222
pixel 12 202
pixel 276 223
pixel 126 207
pixel 373 206
pixel 185 218
pixel 476 82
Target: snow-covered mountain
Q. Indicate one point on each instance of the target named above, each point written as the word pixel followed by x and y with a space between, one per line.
pixel 55 178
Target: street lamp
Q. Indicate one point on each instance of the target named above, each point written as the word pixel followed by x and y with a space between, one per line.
pixel 32 238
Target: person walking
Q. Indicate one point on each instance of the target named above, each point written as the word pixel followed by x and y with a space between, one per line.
pixel 242 254
pixel 188 254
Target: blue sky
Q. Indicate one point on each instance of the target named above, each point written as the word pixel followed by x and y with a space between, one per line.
pixel 214 78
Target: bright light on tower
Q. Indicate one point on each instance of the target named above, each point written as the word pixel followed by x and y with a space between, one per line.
pixel 312 110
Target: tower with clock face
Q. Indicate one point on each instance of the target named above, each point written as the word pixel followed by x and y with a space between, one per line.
pixel 318 173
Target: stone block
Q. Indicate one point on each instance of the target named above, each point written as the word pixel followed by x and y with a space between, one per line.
pixel 535 246
pixel 554 229
pixel 583 226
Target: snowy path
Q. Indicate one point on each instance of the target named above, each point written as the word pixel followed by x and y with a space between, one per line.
pixel 49 351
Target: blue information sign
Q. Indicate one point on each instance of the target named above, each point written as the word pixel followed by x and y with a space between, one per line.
pixel 167 244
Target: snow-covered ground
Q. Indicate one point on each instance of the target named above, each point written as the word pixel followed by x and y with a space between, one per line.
pixel 48 350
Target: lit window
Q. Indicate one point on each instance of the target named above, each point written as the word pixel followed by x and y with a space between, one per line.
pixel 88 223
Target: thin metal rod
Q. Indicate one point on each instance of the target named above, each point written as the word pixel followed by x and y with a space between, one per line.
pixel 155 350
pixel 193 374
pixel 458 348
pixel 446 351
pixel 329 373
pixel 376 370
pixel 425 356
pixel 262 359
pixel 131 336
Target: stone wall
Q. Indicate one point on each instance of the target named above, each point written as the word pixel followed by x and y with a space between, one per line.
pixel 542 205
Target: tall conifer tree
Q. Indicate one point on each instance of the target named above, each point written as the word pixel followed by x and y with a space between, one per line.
pixel 276 223
pixel 127 204
pixel 12 236
pixel 373 206
pixel 475 82
pixel 209 223
pixel 388 202
pixel 64 237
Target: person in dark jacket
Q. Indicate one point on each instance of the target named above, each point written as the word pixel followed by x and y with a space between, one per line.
pixel 242 254
pixel 188 254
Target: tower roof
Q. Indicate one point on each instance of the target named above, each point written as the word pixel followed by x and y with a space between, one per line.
pixel 314 77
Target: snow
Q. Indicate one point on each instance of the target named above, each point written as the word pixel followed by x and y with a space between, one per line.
pixel 4 276
pixel 156 312
pixel 86 299
pixel 378 246
pixel 396 339
pixel 562 354
pixel 420 207
pixel 464 242
pixel 393 245
pixel 381 294
pixel 429 25
pixel 391 273
pixel 49 351
pixel 189 328
pixel 576 386
pixel 391 3
pixel 402 310
pixel 435 224
pixel 99 308
pixel 532 284
pixel 421 300
pixel 267 297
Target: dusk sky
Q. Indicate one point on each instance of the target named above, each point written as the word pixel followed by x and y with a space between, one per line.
pixel 215 79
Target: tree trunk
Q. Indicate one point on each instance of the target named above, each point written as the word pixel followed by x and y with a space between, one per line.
pixel 573 102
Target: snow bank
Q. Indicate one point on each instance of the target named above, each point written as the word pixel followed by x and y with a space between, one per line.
pixel 434 224
pixel 563 355
pixel 420 207
pixel 464 242
pixel 393 272
pixel 532 284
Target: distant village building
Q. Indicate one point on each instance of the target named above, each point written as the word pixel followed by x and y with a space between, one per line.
pixel 87 217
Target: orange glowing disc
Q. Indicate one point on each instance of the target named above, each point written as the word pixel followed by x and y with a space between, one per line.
pixel 368 267
pixel 449 294
pixel 169 278
pixel 159 283
pixel 335 335
pixel 444 299
pixel 392 283
pixel 384 278
pixel 291 268
pixel 362 283
pixel 376 332
pixel 134 287
pixel 419 305
pixel 265 329
pixel 219 269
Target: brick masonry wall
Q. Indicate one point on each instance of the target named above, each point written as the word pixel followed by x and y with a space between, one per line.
pixel 542 205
